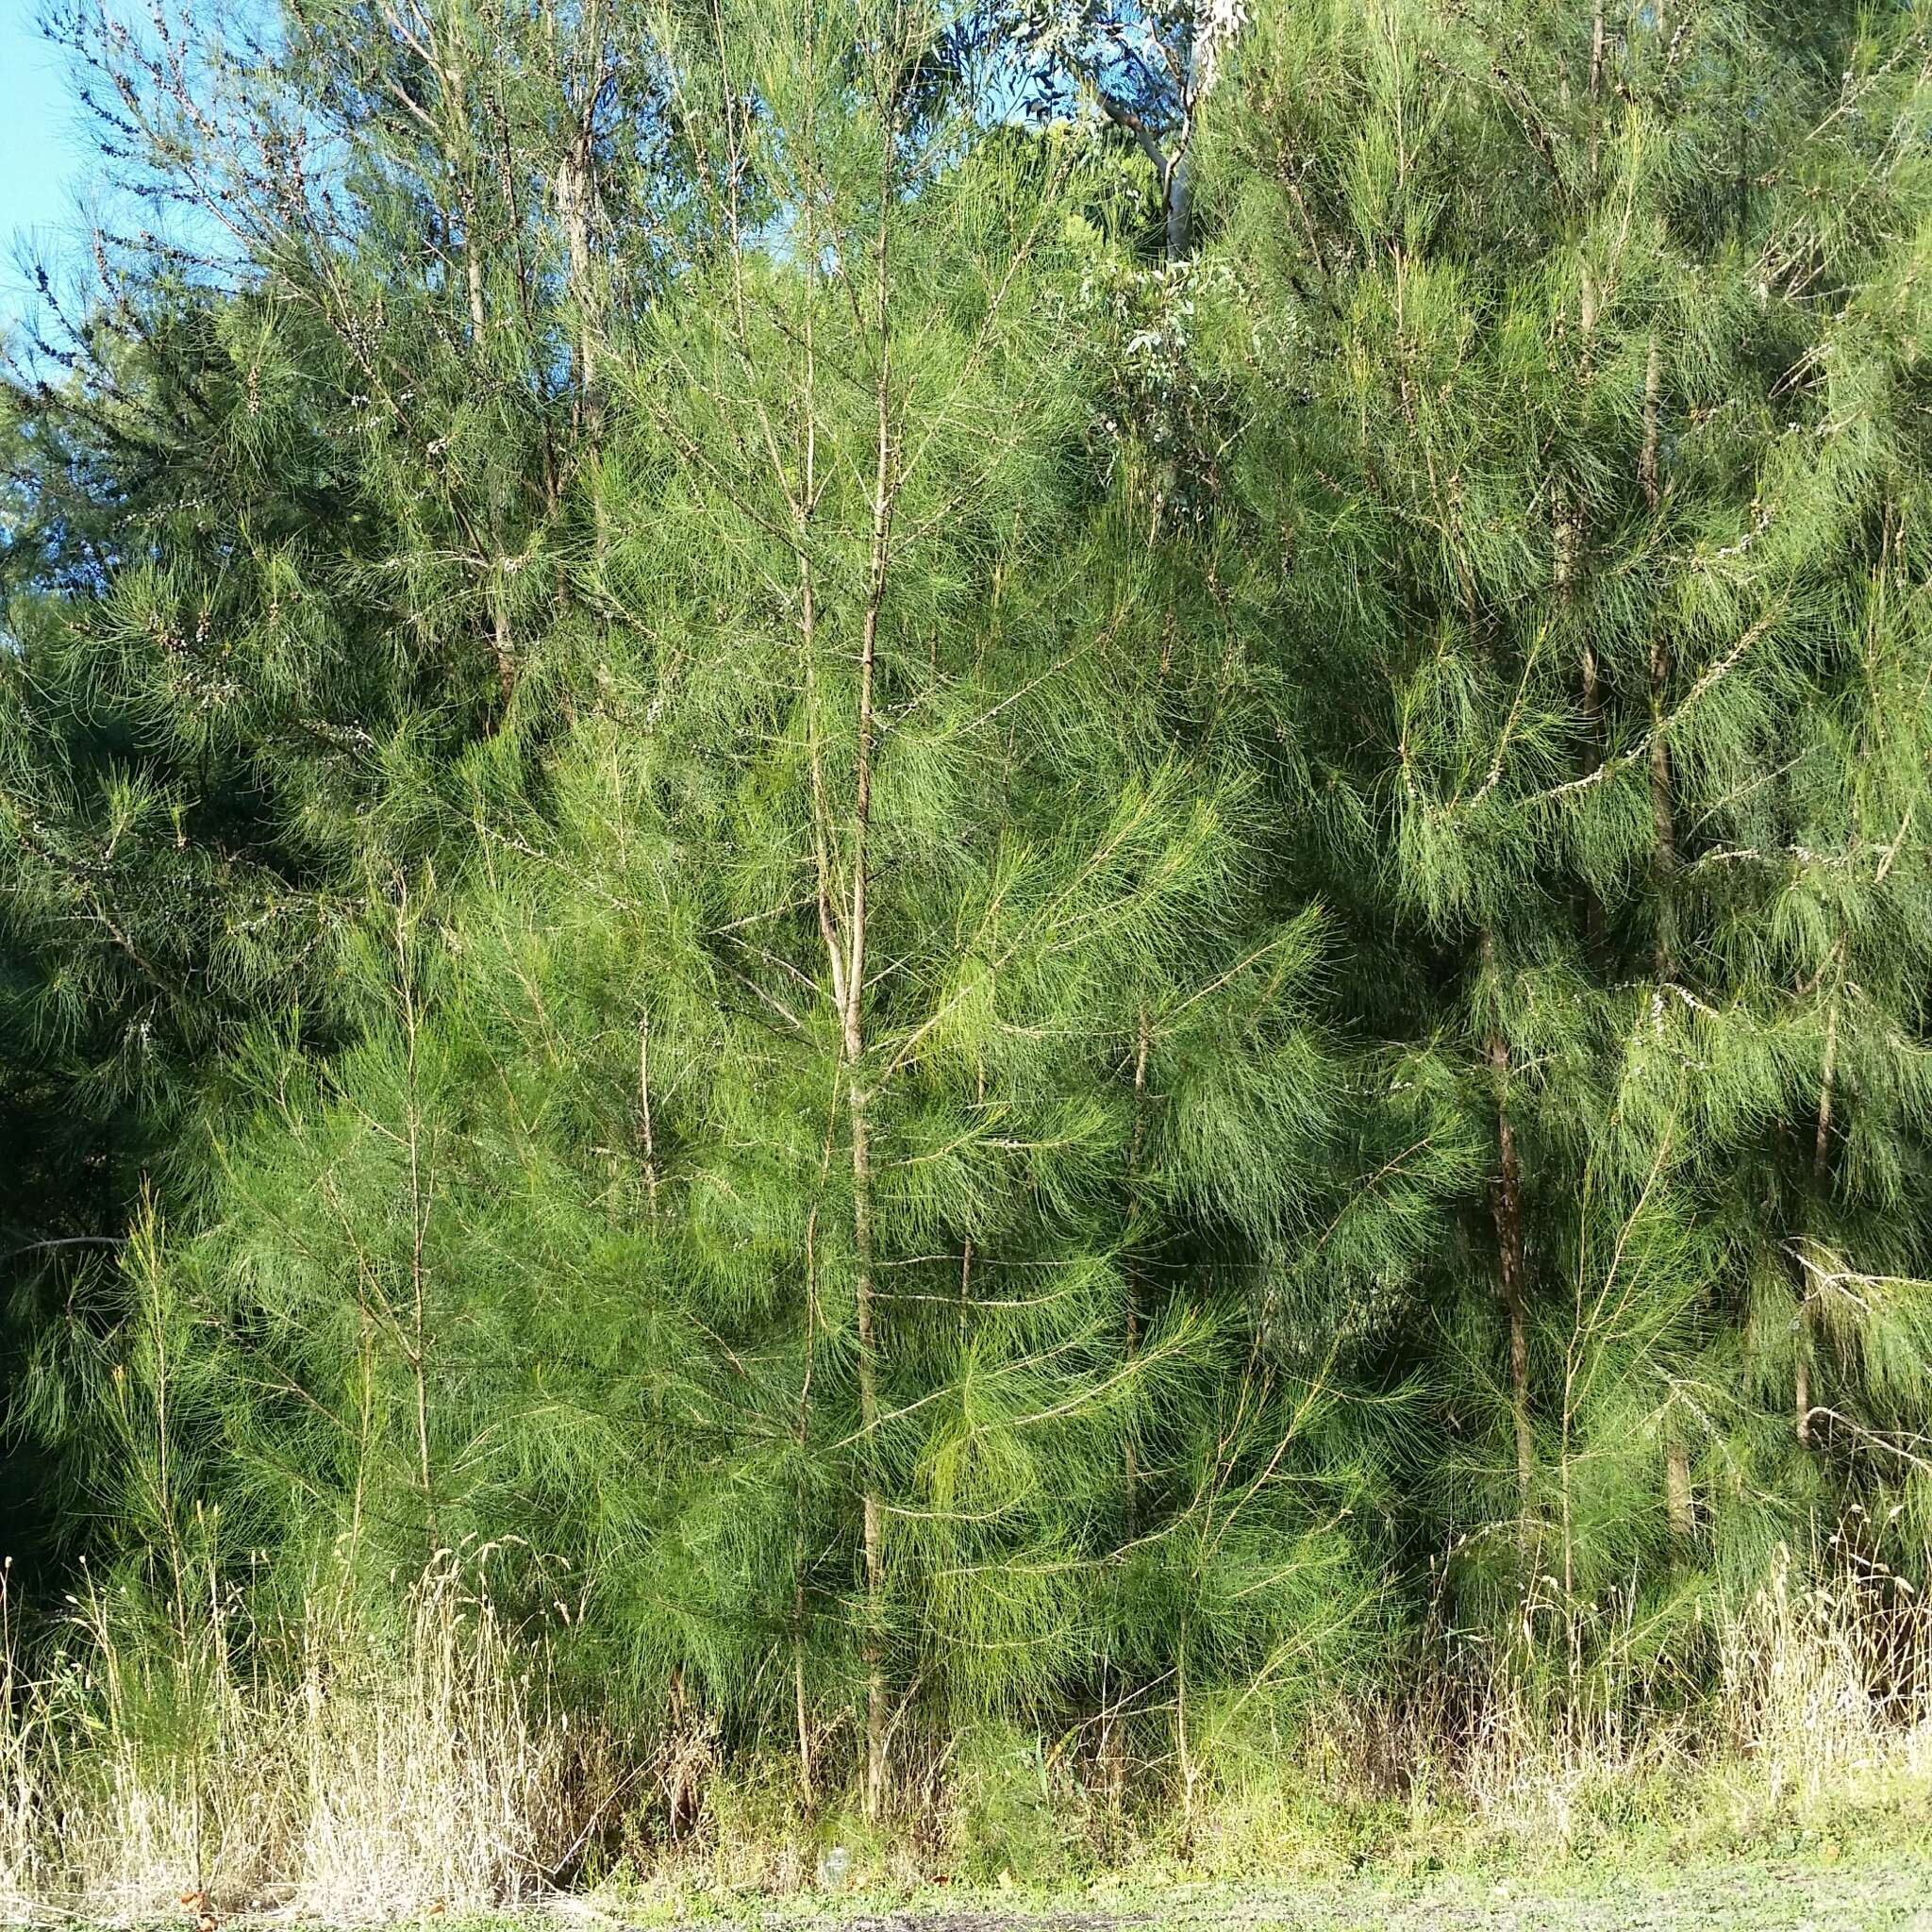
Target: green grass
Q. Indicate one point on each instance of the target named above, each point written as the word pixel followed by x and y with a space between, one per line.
pixel 1821 1888
pixel 1877 1873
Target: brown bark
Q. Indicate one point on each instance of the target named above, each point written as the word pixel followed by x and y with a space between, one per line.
pixel 1142 1040
pixel 1821 1166
pixel 1511 1254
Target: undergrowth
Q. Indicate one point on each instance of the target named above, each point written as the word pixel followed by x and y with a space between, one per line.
pixel 210 1755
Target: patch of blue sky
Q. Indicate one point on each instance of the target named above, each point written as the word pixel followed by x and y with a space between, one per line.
pixel 45 156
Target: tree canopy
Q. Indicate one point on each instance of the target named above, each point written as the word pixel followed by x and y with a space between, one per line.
pixel 1054 866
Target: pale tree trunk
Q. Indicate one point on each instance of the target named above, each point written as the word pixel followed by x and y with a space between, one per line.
pixel 803 503
pixel 576 204
pixel 801 1705
pixel 1679 1496
pixel 451 76
pixel 858 1097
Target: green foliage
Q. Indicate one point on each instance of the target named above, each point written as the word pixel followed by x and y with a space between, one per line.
pixel 1010 1003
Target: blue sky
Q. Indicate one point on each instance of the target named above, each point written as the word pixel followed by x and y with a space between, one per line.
pixel 42 153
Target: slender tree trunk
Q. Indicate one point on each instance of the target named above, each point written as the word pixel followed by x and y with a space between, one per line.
pixel 1134 1316
pixel 1510 1246
pixel 877 1716
pixel 455 103
pixel 1596 91
pixel 804 505
pixel 1568 540
pixel 1680 1497
pixel 1179 195
pixel 1647 473
pixel 502 650
pixel 576 190
pixel 146 1247
pixel 577 202
pixel 1183 1754
pixel 1570 537
pixel 1510 1253
pixel 857 1098
pixel 801 1705
pixel 1821 1166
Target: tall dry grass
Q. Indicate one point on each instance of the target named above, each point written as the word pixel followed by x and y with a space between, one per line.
pixel 307 1764
pixel 312 1766
pixel 1810 1694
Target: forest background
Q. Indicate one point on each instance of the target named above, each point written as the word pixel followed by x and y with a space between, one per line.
pixel 993 931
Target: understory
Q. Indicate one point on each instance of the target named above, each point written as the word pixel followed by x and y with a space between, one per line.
pixel 304 1769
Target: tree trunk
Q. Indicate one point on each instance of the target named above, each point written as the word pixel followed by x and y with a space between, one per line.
pixel 1142 1040
pixel 1510 1254
pixel 1821 1165
pixel 1179 196
pixel 576 196
pixel 1679 1499
pixel 857 1098
pixel 865 1275
pixel 418 1226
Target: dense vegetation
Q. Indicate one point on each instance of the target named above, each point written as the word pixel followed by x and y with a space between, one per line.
pixel 1026 872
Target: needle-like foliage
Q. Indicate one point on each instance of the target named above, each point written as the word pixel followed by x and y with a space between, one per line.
pixel 977 974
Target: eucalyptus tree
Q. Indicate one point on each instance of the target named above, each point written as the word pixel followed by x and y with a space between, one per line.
pixel 1146 67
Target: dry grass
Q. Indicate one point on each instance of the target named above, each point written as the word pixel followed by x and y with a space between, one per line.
pixel 1808 1698
pixel 302 1765
pixel 309 1767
